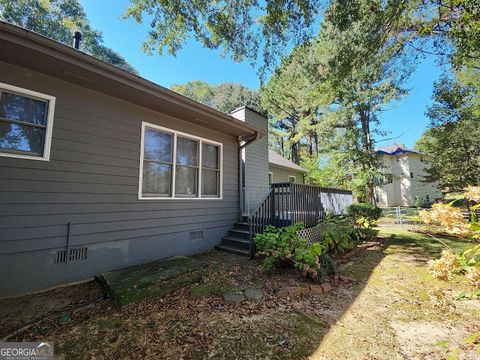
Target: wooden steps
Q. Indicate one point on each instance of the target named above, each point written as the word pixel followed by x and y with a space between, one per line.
pixel 237 241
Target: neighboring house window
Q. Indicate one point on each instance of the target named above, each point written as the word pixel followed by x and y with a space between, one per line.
pixel 397 158
pixel 270 178
pixel 421 158
pixel 378 180
pixel 427 198
pixel 411 175
pixel 389 179
pixel 291 178
pixel 26 122
pixel 178 165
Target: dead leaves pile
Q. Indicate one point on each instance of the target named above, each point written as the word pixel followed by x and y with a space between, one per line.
pixel 178 326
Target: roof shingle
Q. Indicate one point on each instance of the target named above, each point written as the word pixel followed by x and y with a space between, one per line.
pixel 395 149
pixel 278 160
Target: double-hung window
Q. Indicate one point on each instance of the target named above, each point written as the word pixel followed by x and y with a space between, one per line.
pixel 210 170
pixel 178 165
pixel 186 169
pixel 26 122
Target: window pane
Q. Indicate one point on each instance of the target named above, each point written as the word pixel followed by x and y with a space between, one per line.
pixel 187 151
pixel 156 179
pixel 158 145
pixel 210 182
pixel 186 181
pixel 21 138
pixel 18 107
pixel 210 156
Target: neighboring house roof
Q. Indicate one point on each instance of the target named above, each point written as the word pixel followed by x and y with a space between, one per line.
pixel 395 149
pixel 279 161
pixel 33 51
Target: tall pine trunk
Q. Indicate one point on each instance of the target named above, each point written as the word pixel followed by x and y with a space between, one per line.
pixel 369 161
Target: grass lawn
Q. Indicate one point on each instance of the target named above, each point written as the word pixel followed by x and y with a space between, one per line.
pixel 396 310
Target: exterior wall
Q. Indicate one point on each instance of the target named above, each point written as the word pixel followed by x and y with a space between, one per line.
pixel 256 154
pixel 91 181
pixel 420 188
pixel 404 189
pixel 255 160
pixel 281 175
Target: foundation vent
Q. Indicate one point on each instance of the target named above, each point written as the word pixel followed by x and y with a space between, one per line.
pixel 196 235
pixel 72 255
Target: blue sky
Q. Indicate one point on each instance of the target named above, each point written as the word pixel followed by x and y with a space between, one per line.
pixel 196 63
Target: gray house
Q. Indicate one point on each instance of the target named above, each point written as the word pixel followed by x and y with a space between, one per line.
pixel 102 169
pixel 283 170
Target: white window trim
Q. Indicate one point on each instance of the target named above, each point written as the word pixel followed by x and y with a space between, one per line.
pixel 49 128
pixel 292 176
pixel 176 133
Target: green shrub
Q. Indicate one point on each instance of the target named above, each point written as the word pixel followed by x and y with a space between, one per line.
pixel 338 233
pixel 364 210
pixel 418 202
pixel 471 256
pixel 282 246
pixel 364 216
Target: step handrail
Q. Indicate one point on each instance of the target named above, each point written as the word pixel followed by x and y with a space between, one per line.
pixel 251 245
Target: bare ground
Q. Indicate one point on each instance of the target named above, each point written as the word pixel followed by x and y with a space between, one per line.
pixel 395 311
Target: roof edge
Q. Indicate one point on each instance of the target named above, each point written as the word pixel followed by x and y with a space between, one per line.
pixel 287 167
pixel 78 57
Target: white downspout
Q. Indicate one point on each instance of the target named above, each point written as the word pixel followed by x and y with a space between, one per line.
pixel 242 145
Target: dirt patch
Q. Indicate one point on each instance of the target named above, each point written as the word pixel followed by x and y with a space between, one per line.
pixel 427 340
pixel 21 311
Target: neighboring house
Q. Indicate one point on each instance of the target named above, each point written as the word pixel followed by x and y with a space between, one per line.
pixel 284 170
pixel 101 169
pixel 403 182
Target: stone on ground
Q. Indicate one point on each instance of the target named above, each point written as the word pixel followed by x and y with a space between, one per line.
pixel 233 297
pixel 135 283
pixel 253 294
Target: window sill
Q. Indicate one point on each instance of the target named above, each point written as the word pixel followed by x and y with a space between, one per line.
pixel 26 157
pixel 178 198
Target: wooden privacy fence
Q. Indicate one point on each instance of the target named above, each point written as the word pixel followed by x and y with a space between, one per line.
pixel 288 203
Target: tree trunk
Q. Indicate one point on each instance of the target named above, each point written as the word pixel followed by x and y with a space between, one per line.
pixel 369 155
pixel 293 133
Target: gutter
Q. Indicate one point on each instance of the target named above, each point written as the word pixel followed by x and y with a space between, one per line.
pixel 248 141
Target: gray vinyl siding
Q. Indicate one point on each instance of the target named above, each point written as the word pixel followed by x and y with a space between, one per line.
pixel 256 154
pixel 91 181
pixel 281 175
pixel 256 164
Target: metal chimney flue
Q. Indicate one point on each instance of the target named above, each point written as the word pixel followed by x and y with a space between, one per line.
pixel 77 37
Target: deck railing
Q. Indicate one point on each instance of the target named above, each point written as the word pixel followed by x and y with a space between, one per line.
pixel 288 203
pixel 251 198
